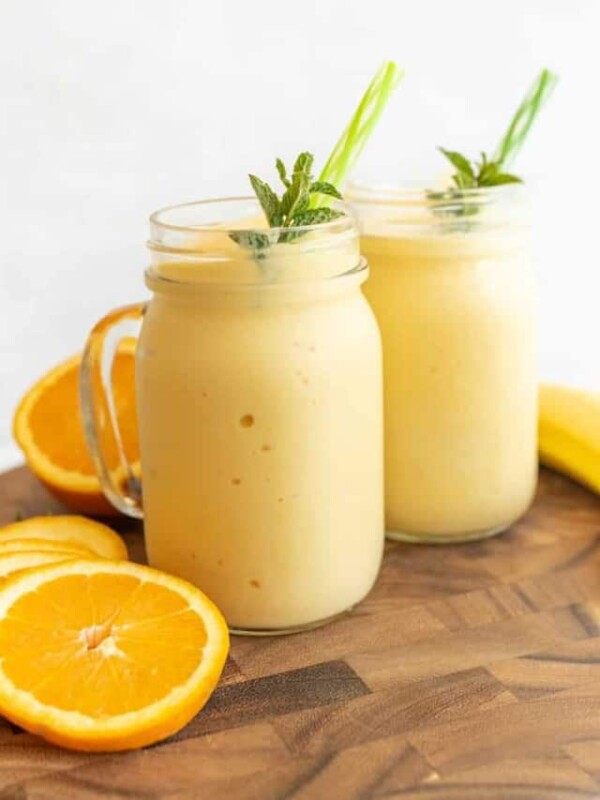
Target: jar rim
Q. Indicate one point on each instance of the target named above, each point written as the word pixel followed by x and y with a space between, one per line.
pixel 416 190
pixel 419 208
pixel 341 224
pixel 211 240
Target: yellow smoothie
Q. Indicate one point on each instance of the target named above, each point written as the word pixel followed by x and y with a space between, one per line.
pixel 455 302
pixel 260 408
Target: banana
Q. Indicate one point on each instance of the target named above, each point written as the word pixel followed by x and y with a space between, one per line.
pixel 569 433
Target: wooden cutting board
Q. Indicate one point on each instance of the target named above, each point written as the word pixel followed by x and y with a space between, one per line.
pixel 472 672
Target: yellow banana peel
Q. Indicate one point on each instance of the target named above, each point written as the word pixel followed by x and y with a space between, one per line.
pixel 569 433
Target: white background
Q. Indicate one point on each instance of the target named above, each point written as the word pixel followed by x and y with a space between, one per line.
pixel 112 109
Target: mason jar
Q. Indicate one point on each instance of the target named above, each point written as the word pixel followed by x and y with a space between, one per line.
pixel 453 290
pixel 259 396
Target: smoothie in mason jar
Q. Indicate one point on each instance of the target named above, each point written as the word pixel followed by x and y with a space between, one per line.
pixel 452 288
pixel 260 409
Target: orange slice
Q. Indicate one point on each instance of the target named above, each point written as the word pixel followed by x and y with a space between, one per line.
pixel 47 426
pixel 15 562
pixel 104 655
pixel 70 531
pixel 44 546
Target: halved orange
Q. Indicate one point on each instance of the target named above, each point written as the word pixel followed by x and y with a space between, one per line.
pixel 104 655
pixel 69 531
pixel 47 426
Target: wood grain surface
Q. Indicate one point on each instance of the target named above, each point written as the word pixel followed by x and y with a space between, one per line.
pixel 472 672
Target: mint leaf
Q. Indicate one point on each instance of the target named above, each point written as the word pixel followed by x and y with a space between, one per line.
pixel 322 187
pixel 269 202
pixel 315 216
pixel 289 201
pixel 303 165
pixel 297 196
pixel 505 177
pixel 301 206
pixel 462 164
pixel 253 240
pixel 309 217
pixel 282 171
pixel 488 170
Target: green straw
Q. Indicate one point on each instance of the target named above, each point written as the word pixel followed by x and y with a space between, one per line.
pixel 353 140
pixel 530 107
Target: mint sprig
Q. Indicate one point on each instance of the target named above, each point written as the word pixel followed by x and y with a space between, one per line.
pixel 293 209
pixel 477 174
pixel 491 171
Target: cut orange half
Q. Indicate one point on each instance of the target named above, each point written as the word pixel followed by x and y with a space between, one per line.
pixel 104 655
pixel 47 426
pixel 70 531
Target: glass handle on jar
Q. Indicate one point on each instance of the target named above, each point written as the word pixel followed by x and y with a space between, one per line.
pixel 119 483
